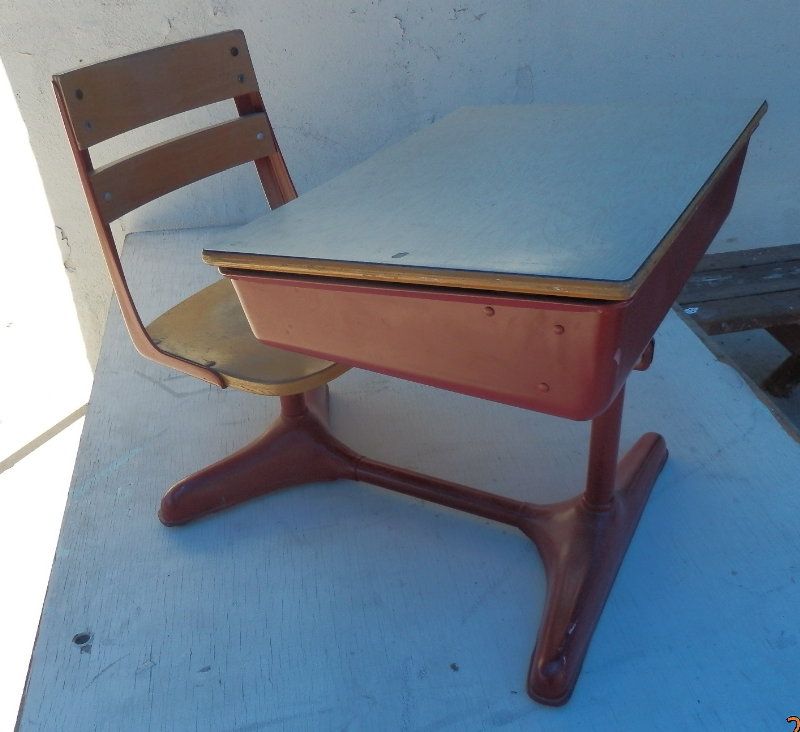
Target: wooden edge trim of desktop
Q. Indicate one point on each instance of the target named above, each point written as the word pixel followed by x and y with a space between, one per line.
pixel 489 281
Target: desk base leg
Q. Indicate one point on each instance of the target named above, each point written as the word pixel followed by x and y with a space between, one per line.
pixel 582 549
pixel 582 541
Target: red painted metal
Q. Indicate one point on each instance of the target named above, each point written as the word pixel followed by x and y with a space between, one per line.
pixel 561 356
pixel 582 541
pixel 444 338
pixel 296 449
pixel 582 550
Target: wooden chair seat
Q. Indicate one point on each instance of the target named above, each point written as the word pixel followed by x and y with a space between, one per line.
pixel 211 329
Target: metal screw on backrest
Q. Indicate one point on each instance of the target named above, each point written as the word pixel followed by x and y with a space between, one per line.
pixel 259 135
pixel 234 51
pixel 106 196
pixel 241 78
pixel 79 93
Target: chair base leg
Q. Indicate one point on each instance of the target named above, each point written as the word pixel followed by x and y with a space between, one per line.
pixel 582 541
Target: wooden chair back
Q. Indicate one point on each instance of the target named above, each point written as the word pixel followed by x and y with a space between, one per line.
pixel 107 99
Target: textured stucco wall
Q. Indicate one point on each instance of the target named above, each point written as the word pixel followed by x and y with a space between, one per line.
pixel 342 79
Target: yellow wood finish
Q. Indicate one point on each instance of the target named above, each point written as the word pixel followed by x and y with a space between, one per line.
pixel 210 328
pixel 112 97
pixel 137 179
pixel 480 280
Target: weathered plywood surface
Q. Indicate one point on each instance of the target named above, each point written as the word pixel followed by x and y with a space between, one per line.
pixel 743 290
pixel 583 192
pixel 339 606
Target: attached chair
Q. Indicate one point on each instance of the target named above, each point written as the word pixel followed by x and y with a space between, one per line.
pixel 206 335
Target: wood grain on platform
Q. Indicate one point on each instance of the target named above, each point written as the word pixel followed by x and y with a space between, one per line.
pixel 748 290
pixel 338 606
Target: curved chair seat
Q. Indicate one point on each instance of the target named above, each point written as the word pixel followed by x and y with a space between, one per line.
pixel 210 328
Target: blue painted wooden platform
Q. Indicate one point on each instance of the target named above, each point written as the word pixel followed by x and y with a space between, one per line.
pixel 338 606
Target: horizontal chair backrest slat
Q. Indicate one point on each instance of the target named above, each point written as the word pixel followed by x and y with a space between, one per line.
pixel 126 184
pixel 112 97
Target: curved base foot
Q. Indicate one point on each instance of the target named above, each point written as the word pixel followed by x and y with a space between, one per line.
pixel 582 549
pixel 296 449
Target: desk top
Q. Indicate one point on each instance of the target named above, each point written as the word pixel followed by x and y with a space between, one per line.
pixel 575 201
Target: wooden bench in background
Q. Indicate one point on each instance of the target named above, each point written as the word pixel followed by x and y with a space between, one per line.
pixel 747 290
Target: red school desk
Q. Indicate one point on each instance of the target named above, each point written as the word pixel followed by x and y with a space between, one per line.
pixel 520 254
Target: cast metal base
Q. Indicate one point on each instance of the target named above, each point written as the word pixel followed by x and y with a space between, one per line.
pixel 582 541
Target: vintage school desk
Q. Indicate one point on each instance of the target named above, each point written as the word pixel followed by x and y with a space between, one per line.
pixel 522 254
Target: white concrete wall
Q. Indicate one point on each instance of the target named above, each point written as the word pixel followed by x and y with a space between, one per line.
pixel 341 79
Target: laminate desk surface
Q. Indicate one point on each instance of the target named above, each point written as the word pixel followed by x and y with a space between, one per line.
pixel 537 199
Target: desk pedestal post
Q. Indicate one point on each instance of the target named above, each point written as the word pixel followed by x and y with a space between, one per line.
pixel 603 455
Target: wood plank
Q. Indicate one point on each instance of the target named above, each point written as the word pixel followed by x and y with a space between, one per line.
pixel 338 606
pixel 545 199
pixel 112 97
pixel 137 179
pixel 757 279
pixel 787 335
pixel 749 257
pixel 785 378
pixel 723 354
pixel 744 313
